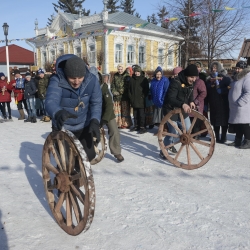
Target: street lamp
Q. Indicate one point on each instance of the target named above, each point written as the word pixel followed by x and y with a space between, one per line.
pixel 5 30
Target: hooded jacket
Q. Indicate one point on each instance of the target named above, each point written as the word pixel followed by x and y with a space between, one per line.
pixel 158 88
pixel 85 102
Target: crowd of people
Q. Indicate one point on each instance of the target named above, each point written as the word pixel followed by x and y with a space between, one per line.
pixel 80 99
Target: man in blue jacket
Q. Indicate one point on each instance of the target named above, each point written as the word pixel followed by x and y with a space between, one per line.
pixel 74 100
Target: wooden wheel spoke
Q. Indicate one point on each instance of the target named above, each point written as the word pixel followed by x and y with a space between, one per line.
pixel 199 132
pixel 75 177
pixel 55 154
pixel 196 151
pixel 173 144
pixel 51 168
pixel 59 202
pixel 76 207
pixel 201 142
pixel 175 126
pixel 179 152
pixel 79 194
pixel 170 134
pixel 68 211
pixel 183 123
pixel 188 155
pixel 71 163
pixel 62 151
pixel 192 125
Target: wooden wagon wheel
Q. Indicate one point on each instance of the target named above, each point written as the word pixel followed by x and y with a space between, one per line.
pixel 194 157
pixel 68 182
pixel 101 148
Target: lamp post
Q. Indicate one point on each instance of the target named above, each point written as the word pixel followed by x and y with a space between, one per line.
pixel 5 30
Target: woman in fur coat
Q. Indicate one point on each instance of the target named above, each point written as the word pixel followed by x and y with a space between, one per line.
pixel 239 104
pixel 217 95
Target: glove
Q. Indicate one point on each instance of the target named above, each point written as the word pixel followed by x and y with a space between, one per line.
pixel 94 128
pixel 103 122
pixel 61 116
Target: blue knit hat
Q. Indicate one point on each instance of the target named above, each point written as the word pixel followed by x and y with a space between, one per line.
pixel 2 74
pixel 40 71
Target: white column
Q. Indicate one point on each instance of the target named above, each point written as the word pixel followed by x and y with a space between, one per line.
pixel 106 56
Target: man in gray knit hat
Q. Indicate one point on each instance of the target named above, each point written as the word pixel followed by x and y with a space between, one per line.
pixel 74 100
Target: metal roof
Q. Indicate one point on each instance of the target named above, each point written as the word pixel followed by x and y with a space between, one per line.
pixel 126 19
pixel 245 49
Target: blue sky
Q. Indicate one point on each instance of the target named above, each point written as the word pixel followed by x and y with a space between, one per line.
pixel 21 14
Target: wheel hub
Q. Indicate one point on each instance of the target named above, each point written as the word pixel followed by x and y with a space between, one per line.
pixel 185 139
pixel 62 182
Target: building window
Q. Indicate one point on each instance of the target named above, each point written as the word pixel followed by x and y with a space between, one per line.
pixel 118 53
pixel 170 57
pixel 160 56
pixel 64 28
pixel 92 54
pixel 60 52
pixel 52 55
pixel 130 54
pixel 44 57
pixel 141 54
pixel 79 52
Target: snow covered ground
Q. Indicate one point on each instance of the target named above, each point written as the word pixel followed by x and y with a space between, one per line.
pixel 141 203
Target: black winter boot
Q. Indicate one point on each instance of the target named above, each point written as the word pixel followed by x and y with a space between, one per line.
pixel 28 119
pixel 246 144
pixel 223 138
pixel 235 143
pixel 33 119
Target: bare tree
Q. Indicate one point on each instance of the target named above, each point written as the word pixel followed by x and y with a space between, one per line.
pixel 219 32
pixel 222 32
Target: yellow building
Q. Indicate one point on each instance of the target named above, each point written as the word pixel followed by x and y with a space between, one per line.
pixel 106 40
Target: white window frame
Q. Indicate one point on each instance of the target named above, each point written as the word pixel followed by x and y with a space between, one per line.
pixel 170 57
pixel 130 54
pixel 52 55
pixel 119 53
pixel 160 56
pixel 92 54
pixel 142 55
pixel 78 51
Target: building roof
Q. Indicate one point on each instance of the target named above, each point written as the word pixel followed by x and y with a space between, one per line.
pixel 17 55
pixel 245 49
pixel 128 19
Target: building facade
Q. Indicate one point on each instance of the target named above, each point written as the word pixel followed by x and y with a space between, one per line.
pixel 106 40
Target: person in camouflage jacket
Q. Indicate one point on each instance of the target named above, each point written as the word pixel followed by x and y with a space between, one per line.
pixel 42 82
pixel 119 89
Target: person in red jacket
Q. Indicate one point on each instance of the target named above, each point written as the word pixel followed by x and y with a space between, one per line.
pixel 18 89
pixel 5 95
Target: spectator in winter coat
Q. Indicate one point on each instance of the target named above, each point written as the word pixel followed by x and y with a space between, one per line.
pixel 42 82
pixel 18 89
pixel 138 90
pixel 74 100
pixel 29 95
pixel 158 88
pixel 239 106
pixel 108 119
pixel 5 95
pixel 217 95
pixel 180 95
pixel 119 89
pixel 200 93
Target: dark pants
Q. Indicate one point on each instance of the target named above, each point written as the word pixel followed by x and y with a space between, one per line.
pixel 197 125
pixel 22 103
pixel 87 142
pixel 242 129
pixel 139 117
pixel 223 132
